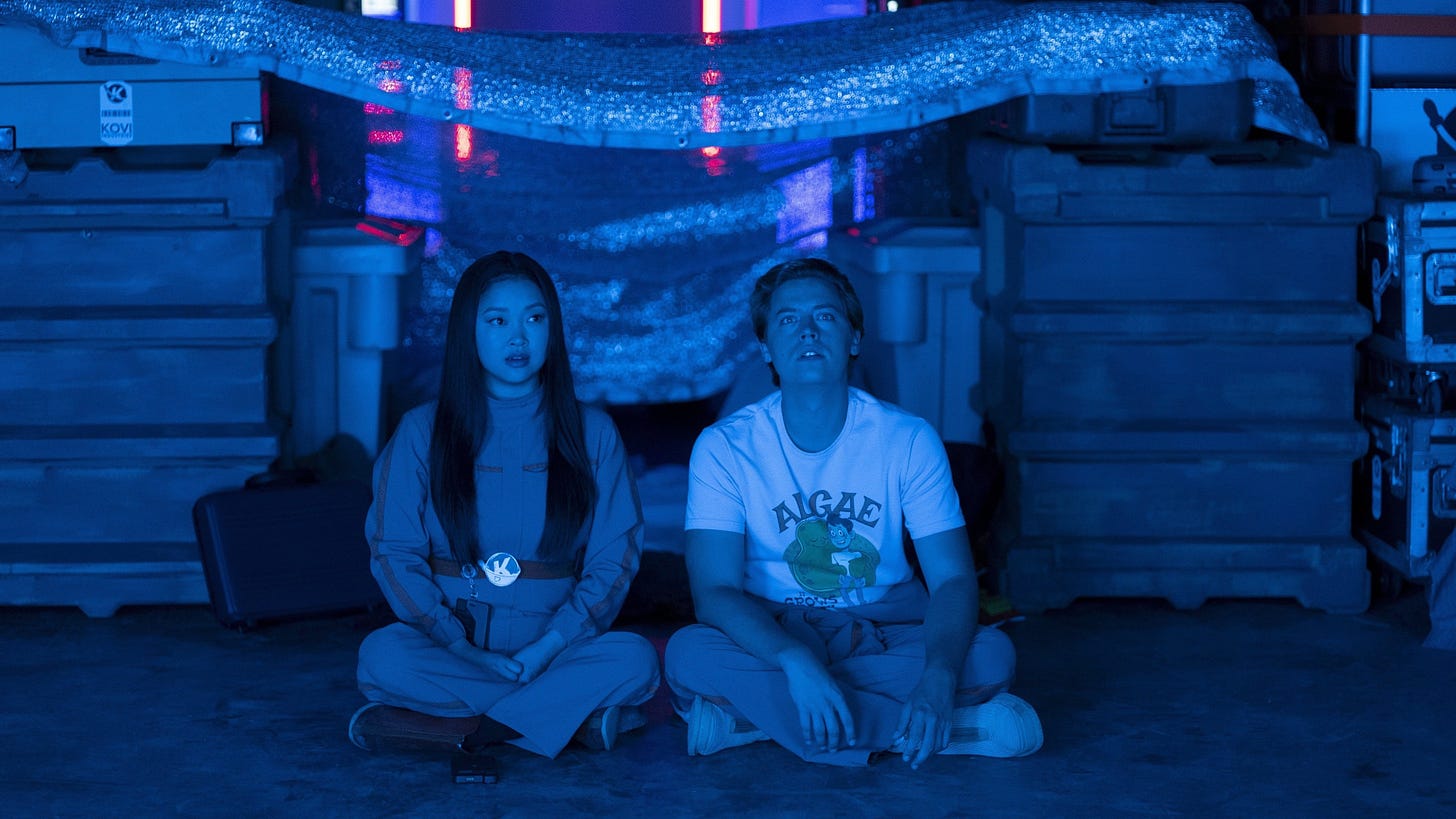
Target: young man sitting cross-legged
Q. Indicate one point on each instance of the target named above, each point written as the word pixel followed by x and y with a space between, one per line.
pixel 814 630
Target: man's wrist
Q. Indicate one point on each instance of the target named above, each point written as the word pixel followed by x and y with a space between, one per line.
pixel 794 657
pixel 938 674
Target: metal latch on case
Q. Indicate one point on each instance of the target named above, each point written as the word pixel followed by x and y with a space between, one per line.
pixel 1443 492
pixel 1441 277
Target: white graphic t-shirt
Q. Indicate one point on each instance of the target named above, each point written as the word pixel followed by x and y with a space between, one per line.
pixel 823 528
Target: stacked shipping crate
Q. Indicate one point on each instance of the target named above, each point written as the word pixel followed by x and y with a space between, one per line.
pixel 134 326
pixel 134 318
pixel 1169 355
pixel 1405 489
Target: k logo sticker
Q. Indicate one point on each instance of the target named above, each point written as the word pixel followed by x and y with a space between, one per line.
pixel 115 113
pixel 501 569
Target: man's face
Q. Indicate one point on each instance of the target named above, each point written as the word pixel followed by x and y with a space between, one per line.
pixel 808 338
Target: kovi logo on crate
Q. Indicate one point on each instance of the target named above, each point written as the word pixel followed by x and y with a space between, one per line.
pixel 116 114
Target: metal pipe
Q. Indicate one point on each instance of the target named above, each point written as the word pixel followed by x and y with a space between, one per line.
pixel 1362 82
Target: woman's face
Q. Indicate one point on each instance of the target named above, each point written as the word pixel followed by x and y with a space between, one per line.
pixel 512 329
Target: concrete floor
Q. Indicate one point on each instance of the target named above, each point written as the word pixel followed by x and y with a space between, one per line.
pixel 1241 708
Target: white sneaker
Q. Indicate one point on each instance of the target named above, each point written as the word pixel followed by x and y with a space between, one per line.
pixel 600 730
pixel 711 729
pixel 1003 726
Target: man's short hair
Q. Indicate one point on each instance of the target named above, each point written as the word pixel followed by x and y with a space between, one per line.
pixel 764 288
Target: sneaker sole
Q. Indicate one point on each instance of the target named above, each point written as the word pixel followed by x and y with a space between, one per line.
pixel 708 733
pixel 700 731
pixel 611 719
pixel 354 720
pixel 446 733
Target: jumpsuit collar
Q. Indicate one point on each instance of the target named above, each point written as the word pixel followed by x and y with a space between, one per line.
pixel 512 411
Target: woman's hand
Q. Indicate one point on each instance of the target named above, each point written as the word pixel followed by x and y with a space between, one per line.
pixel 534 658
pixel 497 665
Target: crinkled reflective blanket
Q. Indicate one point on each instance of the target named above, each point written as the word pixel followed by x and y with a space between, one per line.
pixel 656 176
pixel 858 75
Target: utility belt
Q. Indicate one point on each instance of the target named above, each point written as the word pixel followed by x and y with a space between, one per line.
pixel 530 569
pixel 500 569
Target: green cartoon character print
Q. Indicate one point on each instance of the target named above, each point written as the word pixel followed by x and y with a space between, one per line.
pixel 829 560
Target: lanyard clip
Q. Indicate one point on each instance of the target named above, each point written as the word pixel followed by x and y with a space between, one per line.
pixel 467 571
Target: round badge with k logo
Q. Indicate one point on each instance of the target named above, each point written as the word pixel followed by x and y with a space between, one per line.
pixel 501 569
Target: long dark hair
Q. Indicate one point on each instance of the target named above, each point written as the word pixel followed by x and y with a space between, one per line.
pixel 462 418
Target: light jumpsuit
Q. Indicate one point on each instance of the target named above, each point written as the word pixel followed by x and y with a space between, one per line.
pixel 409 665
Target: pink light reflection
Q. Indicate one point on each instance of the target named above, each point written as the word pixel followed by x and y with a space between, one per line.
pixel 386 137
pixel 463 88
pixel 464 143
pixel 712 120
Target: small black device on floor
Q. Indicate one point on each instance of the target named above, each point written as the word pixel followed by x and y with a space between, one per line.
pixel 474 769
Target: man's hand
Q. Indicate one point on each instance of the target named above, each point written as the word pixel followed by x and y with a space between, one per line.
pixel 925 721
pixel 715 561
pixel 823 712
pixel 534 658
pixel 950 623
pixel 497 665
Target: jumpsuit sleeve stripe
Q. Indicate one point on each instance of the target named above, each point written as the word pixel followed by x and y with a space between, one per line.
pixel 398 541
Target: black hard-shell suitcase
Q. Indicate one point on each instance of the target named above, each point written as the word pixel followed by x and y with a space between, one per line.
pixel 283 547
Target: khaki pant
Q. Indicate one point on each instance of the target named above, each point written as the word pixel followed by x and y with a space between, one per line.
pixel 876 665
